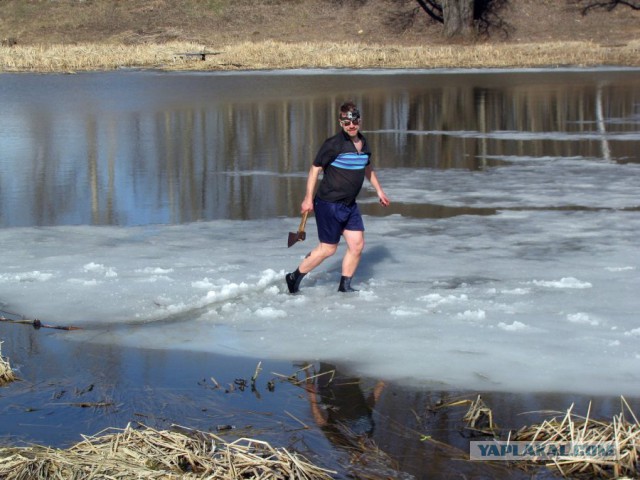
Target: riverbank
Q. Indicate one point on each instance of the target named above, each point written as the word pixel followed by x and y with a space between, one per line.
pixel 70 36
pixel 273 55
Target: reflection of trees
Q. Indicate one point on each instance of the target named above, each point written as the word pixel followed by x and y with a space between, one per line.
pixel 237 158
pixel 606 149
pixel 92 163
pixel 43 167
pixel 229 162
pixel 426 131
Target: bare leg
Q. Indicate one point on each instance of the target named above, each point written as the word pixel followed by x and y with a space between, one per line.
pixel 317 256
pixel 355 245
pixel 311 261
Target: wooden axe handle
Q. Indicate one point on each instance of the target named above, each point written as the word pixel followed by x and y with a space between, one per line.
pixel 303 222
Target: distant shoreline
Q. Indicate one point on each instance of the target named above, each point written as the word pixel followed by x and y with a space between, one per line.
pixel 270 55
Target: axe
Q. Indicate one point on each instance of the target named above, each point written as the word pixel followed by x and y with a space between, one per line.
pixel 300 235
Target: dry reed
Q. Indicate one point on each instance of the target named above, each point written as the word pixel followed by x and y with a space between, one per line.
pixel 6 373
pixel 153 454
pixel 280 55
pixel 577 430
pixel 479 417
pixel 618 440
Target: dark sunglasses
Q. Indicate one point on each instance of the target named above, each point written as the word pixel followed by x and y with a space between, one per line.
pixel 346 123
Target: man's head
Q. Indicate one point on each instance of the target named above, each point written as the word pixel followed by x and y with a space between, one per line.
pixel 349 118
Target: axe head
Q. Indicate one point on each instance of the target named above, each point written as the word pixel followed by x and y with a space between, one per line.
pixel 295 237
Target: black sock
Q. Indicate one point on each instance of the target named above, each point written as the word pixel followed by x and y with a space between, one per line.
pixel 345 285
pixel 293 280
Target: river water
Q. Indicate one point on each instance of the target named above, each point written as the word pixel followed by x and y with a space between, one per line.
pixel 151 209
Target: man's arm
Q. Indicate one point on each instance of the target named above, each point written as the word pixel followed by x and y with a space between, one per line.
pixel 373 179
pixel 312 181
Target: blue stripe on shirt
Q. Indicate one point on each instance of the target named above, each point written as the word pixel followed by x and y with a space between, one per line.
pixel 351 161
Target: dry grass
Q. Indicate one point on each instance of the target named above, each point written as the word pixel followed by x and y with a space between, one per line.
pixel 6 374
pixel 621 432
pixel 280 55
pixel 479 417
pixel 153 454
pixel 68 35
pixel 578 430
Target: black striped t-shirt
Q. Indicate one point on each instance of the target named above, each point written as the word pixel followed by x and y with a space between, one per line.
pixel 343 168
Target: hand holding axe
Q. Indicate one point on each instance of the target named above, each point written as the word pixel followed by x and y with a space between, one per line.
pixel 300 235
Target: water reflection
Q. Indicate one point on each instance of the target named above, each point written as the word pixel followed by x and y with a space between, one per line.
pixel 338 404
pixel 343 408
pixel 138 147
pixel 389 431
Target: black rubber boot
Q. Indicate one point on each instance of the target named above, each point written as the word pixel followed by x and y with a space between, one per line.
pixel 293 280
pixel 345 285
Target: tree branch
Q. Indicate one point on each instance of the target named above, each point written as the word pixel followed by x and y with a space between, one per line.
pixel 433 9
pixel 607 5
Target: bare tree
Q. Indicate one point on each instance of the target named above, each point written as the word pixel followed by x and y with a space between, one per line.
pixel 606 4
pixel 458 18
pixel 467 18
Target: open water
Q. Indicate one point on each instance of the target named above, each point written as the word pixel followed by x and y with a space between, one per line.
pixel 152 209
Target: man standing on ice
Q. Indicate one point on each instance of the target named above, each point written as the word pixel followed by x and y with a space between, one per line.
pixel 345 160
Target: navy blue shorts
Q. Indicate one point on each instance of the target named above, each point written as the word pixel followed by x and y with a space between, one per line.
pixel 334 218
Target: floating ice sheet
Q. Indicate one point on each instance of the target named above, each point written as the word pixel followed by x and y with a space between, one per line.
pixel 516 301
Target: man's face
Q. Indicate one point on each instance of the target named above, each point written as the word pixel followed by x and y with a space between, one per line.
pixel 350 125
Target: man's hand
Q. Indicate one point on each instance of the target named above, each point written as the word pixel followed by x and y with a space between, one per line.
pixel 306 206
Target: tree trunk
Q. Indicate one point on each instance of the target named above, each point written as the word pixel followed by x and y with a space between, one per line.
pixel 458 18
